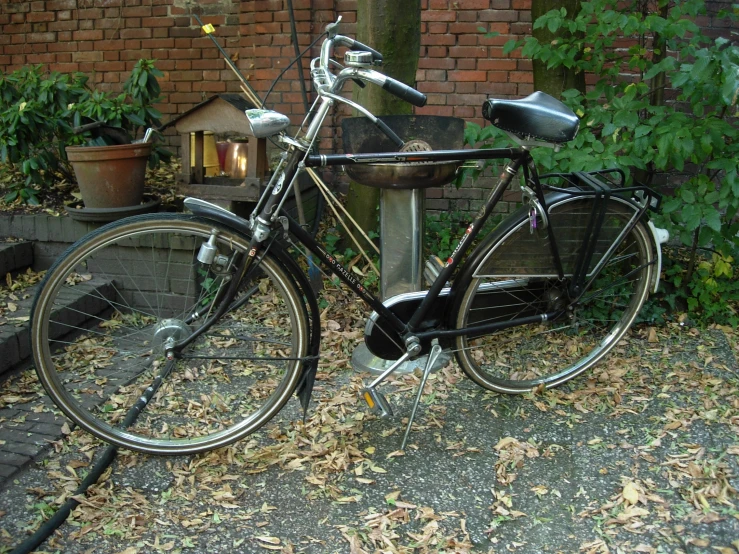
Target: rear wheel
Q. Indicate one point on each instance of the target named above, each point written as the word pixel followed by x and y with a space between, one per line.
pixel 514 279
pixel 113 302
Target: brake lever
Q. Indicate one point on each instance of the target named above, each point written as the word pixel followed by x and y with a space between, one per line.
pixel 333 28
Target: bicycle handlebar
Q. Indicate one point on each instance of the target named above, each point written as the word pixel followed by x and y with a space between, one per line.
pixel 325 81
pixel 376 56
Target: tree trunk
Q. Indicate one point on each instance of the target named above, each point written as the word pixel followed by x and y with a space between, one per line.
pixel 554 81
pixel 381 24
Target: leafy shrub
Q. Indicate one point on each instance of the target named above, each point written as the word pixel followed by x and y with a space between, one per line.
pixel 665 101
pixel 39 110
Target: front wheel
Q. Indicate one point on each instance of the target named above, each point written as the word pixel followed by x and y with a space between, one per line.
pixel 110 307
pixel 515 279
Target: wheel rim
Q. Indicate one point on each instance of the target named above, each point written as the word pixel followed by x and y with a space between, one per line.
pixel 523 358
pixel 233 379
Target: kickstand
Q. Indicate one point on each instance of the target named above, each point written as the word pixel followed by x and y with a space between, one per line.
pixel 433 356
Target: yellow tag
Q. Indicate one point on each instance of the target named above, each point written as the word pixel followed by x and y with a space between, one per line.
pixel 208 29
pixel 368 400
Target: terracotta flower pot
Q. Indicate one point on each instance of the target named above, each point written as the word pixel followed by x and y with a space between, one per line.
pixel 110 176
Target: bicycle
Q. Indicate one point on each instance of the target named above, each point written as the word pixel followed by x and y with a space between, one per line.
pixel 191 331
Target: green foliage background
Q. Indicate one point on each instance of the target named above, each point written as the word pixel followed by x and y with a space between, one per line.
pixel 663 103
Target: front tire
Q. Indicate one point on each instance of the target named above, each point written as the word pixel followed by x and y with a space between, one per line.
pixel 110 305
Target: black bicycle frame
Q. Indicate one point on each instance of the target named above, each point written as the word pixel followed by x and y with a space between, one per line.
pixel 518 157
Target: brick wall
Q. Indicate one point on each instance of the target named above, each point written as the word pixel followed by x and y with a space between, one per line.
pixel 458 66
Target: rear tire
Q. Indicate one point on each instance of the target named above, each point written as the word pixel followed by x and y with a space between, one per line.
pixel 110 303
pixel 515 279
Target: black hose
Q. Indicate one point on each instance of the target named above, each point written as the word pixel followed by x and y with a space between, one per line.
pixel 61 515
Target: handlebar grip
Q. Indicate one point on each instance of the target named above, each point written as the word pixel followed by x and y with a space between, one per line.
pixel 376 56
pixel 404 92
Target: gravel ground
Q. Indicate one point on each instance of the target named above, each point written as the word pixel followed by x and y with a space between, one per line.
pixel 641 455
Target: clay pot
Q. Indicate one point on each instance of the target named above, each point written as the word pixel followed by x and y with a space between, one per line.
pixel 110 176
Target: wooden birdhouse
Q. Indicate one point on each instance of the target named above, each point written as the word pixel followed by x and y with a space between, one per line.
pixel 223 115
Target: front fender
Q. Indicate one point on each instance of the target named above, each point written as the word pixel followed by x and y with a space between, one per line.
pixel 215 213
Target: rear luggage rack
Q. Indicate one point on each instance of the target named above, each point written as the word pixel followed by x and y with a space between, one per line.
pixel 609 181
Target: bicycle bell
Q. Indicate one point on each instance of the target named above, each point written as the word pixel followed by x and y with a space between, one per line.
pixel 352 58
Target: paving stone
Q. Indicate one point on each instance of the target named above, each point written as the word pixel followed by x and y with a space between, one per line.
pixel 47 429
pixel 45 417
pixel 22 449
pixel 6 471
pixel 25 437
pixel 20 425
pixel 12 459
pixel 7 414
pixel 15 256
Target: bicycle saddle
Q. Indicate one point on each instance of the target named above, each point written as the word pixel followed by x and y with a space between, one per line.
pixel 537 116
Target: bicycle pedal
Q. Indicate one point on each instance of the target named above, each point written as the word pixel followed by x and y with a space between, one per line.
pixel 377 402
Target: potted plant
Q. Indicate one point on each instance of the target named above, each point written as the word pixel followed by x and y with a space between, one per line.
pixel 110 168
pixel 42 112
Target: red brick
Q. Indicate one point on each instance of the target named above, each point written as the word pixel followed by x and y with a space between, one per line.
pixel 468 52
pixel 436 110
pixel 63 26
pixel 438 40
pixel 520 77
pixel 438 86
pixel 60 46
pixel 64 67
pixel 88 35
pixel 91 13
pixel 436 28
pixel 40 37
pixel 35 17
pixel 110 67
pixel 209 86
pixel 88 56
pixel 473 4
pixel 44 58
pixel 438 16
pixel 493 64
pixel 157 22
pixel 468 40
pixel 157 43
pixel 185 97
pixel 437 51
pixel 436 63
pixel 138 11
pixel 467 76
pixel 55 5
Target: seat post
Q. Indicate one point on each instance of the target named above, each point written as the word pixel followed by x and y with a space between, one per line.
pixel 401 241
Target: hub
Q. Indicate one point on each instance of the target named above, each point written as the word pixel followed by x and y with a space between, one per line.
pixel 167 332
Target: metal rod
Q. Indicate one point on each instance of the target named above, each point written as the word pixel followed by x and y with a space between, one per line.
pixel 389 370
pixel 431 156
pixel 252 93
pixel 294 34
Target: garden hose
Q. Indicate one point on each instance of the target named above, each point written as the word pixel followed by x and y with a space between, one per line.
pixel 61 515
